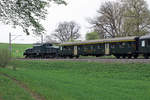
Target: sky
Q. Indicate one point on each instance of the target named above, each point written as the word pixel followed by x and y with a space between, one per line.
pixel 76 10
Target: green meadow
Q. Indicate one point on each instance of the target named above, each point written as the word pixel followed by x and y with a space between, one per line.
pixel 17 49
pixel 68 80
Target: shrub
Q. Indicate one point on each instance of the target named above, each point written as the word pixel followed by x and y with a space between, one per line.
pixel 5 57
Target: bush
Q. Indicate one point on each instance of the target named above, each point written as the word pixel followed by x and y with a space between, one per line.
pixel 5 57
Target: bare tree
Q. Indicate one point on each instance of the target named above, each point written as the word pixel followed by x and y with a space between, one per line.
pixel 136 17
pixel 50 39
pixel 122 18
pixel 67 31
pixel 109 19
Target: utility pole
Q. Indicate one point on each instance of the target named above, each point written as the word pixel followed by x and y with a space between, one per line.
pixel 10 47
pixel 42 39
pixel 10 41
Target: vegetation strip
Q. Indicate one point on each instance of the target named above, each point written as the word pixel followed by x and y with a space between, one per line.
pixel 34 95
pixel 0 95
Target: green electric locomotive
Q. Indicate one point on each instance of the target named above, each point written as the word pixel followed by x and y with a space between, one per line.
pixel 46 50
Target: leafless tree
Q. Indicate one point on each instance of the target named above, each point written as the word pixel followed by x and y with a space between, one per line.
pixel 109 20
pixel 136 17
pixel 122 18
pixel 67 31
pixel 50 39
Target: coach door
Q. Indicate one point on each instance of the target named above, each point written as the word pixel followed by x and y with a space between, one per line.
pixel 107 50
pixel 75 50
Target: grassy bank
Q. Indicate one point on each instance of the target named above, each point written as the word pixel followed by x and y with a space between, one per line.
pixel 17 49
pixel 81 80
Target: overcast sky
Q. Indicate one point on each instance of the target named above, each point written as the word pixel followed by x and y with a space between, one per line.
pixel 76 10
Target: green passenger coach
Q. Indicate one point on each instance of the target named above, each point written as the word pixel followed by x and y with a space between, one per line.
pixel 144 46
pixel 119 47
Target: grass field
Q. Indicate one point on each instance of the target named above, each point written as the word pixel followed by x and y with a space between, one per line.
pixel 64 80
pixel 17 49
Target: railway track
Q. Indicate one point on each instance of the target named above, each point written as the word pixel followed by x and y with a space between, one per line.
pixel 103 60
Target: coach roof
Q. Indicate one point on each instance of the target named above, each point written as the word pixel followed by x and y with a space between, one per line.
pixel 120 39
pixel 145 37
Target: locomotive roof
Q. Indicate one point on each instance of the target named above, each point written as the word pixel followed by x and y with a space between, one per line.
pixel 145 37
pixel 41 44
pixel 120 39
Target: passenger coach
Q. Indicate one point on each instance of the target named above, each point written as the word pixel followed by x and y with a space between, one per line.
pixel 119 47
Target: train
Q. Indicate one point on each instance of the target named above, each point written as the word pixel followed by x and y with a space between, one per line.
pixel 121 47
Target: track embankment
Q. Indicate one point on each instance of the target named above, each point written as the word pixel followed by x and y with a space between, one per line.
pixel 102 60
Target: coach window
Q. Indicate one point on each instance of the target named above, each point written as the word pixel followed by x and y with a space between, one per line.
pixel 143 43
pixel 120 45
pixel 85 48
pixel 69 48
pixel 61 48
pixel 65 48
pixel 91 47
pixel 98 46
pixel 79 48
pixel 148 43
pixel 129 44
pixel 123 44
pixel 112 45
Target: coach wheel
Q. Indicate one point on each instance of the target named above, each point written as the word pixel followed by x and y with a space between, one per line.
pixel 30 56
pixel 65 57
pixel 97 55
pixel 77 57
pixel 124 56
pixel 135 56
pixel 146 56
pixel 71 57
pixel 129 56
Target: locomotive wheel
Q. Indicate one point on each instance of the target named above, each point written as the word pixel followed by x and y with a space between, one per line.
pixel 129 56
pixel 70 57
pixel 118 57
pixel 26 56
pixel 53 56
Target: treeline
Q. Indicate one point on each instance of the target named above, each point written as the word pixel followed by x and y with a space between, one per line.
pixel 118 18
pixel 121 18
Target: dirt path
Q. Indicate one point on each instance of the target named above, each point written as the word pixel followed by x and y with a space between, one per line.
pixel 1 98
pixel 34 95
